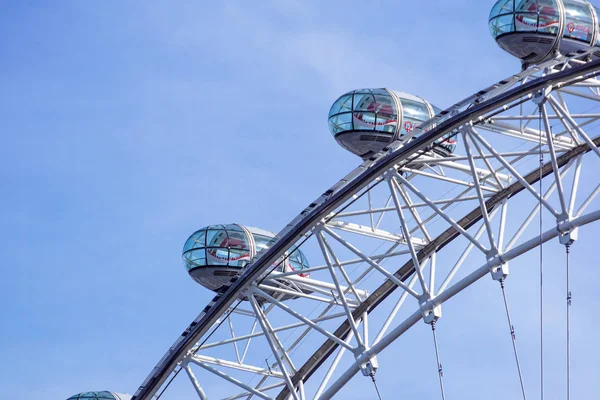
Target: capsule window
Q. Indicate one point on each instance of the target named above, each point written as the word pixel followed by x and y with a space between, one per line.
pixel 579 23
pixel 261 242
pixel 526 5
pixel 217 256
pixel 364 102
pixel 93 396
pixel 194 258
pixel 237 240
pixel 502 7
pixel 415 111
pixel 386 123
pixel 343 104
pixel 364 121
pixel 383 104
pixel 501 25
pixel 447 142
pixel 216 238
pixel 549 17
pixel 298 261
pixel 238 258
pixel 527 22
pixel 195 241
pixel 341 123
pixel 408 124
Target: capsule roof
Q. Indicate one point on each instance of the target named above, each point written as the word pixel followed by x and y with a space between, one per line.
pixel 365 121
pixel 535 30
pixel 103 395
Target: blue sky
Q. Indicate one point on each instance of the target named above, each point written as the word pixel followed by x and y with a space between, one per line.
pixel 126 126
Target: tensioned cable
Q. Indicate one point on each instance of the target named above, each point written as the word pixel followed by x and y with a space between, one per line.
pixel 514 338
pixel 439 364
pixel 372 375
pixel 568 251
pixel 541 267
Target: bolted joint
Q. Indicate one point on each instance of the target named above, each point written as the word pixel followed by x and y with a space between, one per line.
pixel 431 312
pixel 499 273
pixel 569 237
pixel 498 267
pixel 319 226
pixel 541 96
pixel 186 360
pixel 567 234
pixel 370 365
pixel 389 174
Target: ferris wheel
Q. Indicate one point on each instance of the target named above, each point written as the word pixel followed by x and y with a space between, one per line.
pixel 444 200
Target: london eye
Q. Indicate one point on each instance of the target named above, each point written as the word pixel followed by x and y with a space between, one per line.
pixel 443 201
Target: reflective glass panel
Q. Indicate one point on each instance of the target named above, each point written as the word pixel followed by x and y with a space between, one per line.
pixel 502 7
pixel 343 104
pixel 501 25
pixel 414 111
pixel 298 261
pixel 384 104
pixel 364 102
pixel 93 396
pixel 386 123
pixel 196 240
pixel 579 22
pixel 333 128
pixel 237 240
pixel 526 5
pixel 341 122
pixel 448 142
pixel 238 258
pixel 261 242
pixel 408 124
pixel 549 18
pixel 380 91
pixel 216 237
pixel 364 121
pixel 233 227
pixel 194 258
pixel 217 256
pixel 526 22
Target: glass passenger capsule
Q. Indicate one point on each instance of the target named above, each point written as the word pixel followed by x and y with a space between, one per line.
pixel 215 254
pixel 104 395
pixel 535 30
pixel 365 121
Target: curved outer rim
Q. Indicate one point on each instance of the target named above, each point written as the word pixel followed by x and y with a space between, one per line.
pixel 330 201
pixel 407 270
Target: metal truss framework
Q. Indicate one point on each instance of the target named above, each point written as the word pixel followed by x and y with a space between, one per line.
pixel 378 233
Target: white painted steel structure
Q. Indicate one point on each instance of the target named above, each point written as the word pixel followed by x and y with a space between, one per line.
pixel 404 232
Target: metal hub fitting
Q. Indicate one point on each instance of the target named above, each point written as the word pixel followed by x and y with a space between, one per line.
pixel 431 312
